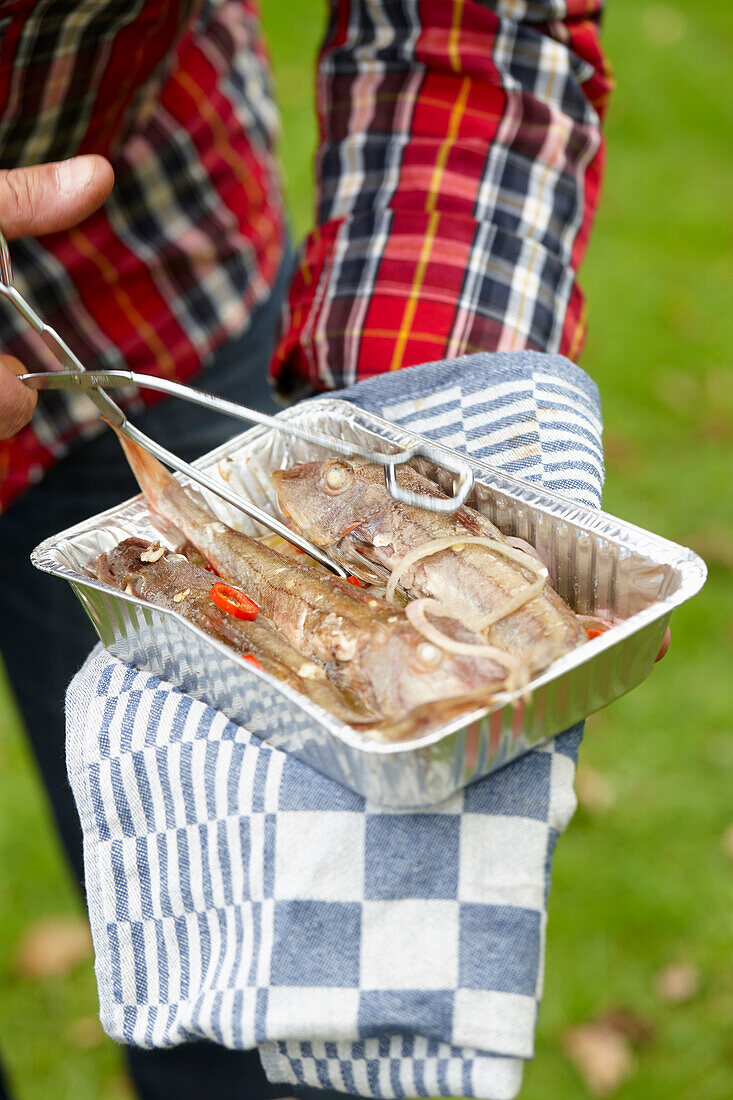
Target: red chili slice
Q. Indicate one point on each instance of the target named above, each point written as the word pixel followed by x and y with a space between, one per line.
pixel 354 580
pixel 233 601
pixel 252 659
pixel 595 631
pixel 210 569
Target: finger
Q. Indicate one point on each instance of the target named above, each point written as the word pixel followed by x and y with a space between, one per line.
pixel 666 640
pixel 47 197
pixel 16 401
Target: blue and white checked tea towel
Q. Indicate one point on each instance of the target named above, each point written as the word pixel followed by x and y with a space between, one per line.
pixel 236 895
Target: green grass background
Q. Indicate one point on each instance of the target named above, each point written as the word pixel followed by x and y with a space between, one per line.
pixel 648 881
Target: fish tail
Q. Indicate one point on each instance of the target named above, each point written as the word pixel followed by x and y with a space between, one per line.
pixel 151 475
pixel 176 515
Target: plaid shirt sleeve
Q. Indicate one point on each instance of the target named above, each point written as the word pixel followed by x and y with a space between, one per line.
pixel 458 170
pixel 177 94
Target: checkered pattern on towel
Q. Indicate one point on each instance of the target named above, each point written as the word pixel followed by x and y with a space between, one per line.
pixel 235 894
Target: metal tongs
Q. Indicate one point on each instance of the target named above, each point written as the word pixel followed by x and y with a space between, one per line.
pixel 76 376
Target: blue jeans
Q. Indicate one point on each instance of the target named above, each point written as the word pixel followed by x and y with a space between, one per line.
pixel 46 637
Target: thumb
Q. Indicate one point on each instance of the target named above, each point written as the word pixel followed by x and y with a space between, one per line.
pixel 47 197
pixel 16 402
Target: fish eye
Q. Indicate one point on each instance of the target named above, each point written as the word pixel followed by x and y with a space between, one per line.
pixel 338 476
pixel 428 655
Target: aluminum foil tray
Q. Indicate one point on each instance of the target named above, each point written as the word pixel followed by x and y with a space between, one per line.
pixel 597 563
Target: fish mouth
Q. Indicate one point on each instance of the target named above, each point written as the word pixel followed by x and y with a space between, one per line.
pixel 279 479
pixel 293 473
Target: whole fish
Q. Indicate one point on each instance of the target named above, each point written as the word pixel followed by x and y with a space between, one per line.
pixel 166 579
pixel 367 645
pixel 344 505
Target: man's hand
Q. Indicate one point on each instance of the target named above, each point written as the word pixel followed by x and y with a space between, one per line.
pixel 34 201
pixel 16 402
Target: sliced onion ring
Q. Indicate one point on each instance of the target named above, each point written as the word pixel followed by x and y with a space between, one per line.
pixel 523 545
pixel 520 556
pixel 415 612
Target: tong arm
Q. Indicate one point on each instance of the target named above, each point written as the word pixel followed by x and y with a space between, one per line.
pixel 81 379
pixel 120 378
pixel 63 353
pixel 217 487
pixel 77 375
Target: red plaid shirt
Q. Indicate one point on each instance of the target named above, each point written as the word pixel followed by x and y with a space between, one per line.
pixel 458 173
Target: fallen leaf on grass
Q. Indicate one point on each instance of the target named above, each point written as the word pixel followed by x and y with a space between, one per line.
pixel 594 791
pixel 52 947
pixel 677 982
pixel 602 1056
pixel 717 425
pixel 602 1050
pixel 85 1033
pixel 620 451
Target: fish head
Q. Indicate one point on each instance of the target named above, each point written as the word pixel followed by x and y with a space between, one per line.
pixel 429 674
pixel 136 563
pixel 326 500
pixel 115 565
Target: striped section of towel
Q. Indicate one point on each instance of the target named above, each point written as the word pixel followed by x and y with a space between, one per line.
pixel 536 416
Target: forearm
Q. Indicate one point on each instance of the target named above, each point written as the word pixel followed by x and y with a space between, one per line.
pixel 458 174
